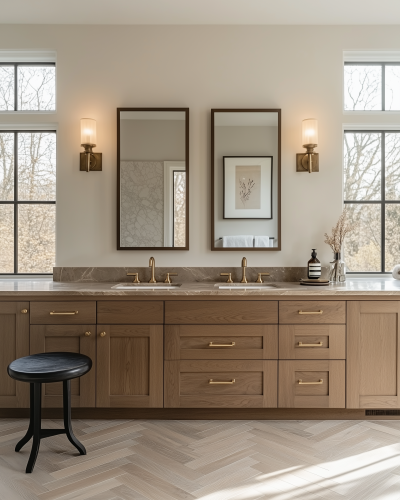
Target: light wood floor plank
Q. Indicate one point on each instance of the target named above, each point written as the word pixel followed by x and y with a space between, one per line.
pixel 206 460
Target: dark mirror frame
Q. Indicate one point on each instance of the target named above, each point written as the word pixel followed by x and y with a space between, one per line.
pixel 278 173
pixel 186 111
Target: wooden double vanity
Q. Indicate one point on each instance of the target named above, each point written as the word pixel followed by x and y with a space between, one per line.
pixel 173 355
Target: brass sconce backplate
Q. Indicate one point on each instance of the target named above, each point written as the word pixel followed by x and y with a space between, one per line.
pixel 302 162
pixel 95 162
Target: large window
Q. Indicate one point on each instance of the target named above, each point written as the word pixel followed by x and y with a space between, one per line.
pixel 27 86
pixel 27 201
pixel 372 86
pixel 372 194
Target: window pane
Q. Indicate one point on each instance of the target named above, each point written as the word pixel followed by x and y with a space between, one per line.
pixel 6 166
pixel 392 166
pixel 7 238
pixel 179 208
pixel 392 236
pixel 37 166
pixel 362 166
pixel 392 87
pixel 36 238
pixel 36 88
pixel 362 247
pixel 362 87
pixel 6 88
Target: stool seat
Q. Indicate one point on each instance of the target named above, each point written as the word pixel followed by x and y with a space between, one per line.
pixel 49 367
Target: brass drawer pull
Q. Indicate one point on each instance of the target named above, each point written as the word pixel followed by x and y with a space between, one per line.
pixel 103 334
pixel 24 311
pixel 310 345
pixel 211 381
pixel 321 381
pixel 311 312
pixel 88 334
pixel 211 344
pixel 67 313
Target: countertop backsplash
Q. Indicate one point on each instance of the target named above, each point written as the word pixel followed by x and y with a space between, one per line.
pixel 185 274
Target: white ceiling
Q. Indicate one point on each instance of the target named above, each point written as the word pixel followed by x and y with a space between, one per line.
pixel 200 12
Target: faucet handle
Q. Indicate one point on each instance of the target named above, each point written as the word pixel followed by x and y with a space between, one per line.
pixel 136 280
pixel 229 280
pixel 259 279
pixel 167 279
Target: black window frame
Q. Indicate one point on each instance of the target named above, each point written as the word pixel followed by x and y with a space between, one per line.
pixel 15 65
pixel 15 202
pixel 382 202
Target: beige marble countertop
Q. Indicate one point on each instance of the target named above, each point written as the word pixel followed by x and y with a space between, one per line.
pixel 385 286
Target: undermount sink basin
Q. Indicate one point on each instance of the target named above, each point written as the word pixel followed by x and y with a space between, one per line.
pixel 245 286
pixel 146 286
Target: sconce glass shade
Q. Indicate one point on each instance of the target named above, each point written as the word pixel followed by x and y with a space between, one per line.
pixel 309 131
pixel 88 131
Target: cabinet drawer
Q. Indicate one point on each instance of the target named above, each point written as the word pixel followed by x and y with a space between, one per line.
pixel 221 342
pixel 315 311
pixel 63 313
pixel 207 312
pixel 137 312
pixel 220 384
pixel 311 384
pixel 312 342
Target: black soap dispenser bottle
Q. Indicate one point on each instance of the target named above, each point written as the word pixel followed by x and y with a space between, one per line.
pixel 314 266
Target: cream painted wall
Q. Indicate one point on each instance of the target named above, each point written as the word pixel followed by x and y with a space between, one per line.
pixel 100 68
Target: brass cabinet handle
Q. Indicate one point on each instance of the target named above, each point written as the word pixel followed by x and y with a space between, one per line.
pixel 310 345
pixel 88 334
pixel 311 312
pixel 67 313
pixel 103 334
pixel 228 382
pixel 24 311
pixel 211 344
pixel 321 381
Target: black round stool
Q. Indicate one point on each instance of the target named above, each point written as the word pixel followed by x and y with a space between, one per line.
pixel 45 368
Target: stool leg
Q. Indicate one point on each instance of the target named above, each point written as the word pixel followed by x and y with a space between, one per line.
pixel 67 418
pixel 37 403
pixel 29 432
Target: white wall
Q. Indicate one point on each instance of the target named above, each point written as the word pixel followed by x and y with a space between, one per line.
pixel 100 68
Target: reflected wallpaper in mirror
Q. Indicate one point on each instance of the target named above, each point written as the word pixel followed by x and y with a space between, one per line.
pixel 153 174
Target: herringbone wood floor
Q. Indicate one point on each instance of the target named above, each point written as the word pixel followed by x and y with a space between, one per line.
pixel 207 460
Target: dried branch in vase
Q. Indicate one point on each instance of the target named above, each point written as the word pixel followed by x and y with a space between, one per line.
pixel 339 232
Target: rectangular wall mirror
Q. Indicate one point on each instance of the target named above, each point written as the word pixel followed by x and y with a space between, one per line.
pixel 153 178
pixel 246 179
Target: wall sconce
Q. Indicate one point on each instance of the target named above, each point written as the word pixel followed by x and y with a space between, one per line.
pixel 89 161
pixel 309 161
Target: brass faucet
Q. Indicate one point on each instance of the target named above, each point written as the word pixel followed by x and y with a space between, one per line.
pixel 244 265
pixel 152 264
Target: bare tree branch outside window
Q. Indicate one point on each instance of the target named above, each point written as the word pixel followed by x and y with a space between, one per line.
pixel 179 208
pixel 35 228
pixel 376 202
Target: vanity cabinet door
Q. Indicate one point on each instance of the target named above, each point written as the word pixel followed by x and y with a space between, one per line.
pixel 14 343
pixel 373 358
pixel 67 338
pixel 129 366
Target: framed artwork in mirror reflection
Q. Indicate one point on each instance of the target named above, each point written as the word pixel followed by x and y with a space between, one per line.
pixel 247 187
